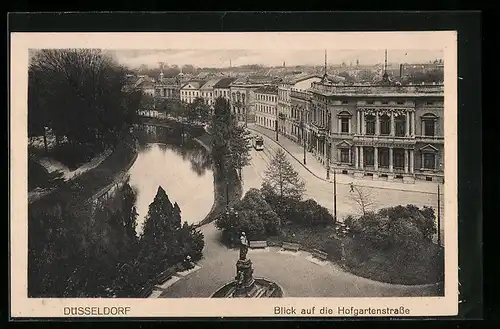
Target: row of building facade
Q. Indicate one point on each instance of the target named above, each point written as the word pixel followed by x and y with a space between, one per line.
pixel 379 131
pixel 240 92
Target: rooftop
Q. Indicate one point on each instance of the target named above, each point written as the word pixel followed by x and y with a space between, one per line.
pixel 210 83
pixel 224 83
pixel 195 83
pixel 268 89
pixel 254 80
pixel 169 81
pixel 375 90
pixel 294 78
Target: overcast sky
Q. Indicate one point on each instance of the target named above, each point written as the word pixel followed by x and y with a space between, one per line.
pixel 221 58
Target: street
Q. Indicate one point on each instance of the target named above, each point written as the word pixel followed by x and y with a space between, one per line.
pixel 381 194
pixel 322 191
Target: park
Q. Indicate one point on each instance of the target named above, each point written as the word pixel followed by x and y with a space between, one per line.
pixel 140 206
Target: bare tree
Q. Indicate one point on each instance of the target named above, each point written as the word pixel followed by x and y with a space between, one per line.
pixel 362 198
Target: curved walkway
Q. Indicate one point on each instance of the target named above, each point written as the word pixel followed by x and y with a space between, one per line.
pixel 298 276
pixel 52 165
pixel 97 180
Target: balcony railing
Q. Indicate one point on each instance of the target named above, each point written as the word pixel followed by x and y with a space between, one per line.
pixel 437 90
pixel 384 138
pixel 300 94
pixel 430 139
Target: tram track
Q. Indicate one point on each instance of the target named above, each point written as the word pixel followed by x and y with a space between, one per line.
pixel 268 153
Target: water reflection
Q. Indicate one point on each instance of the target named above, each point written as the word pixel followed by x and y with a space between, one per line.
pixel 183 171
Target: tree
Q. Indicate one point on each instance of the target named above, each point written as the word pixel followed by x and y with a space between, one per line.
pixel 347 76
pixel 147 102
pixel 221 122
pixel 188 69
pixel 129 212
pixel 198 111
pixel 233 222
pixel 165 242
pixel 282 179
pixel 366 76
pixel 430 76
pixel 362 199
pixel 191 241
pixel 239 148
pixel 424 219
pixel 38 117
pixel 160 246
pixel 401 226
pixel 80 95
pixel 311 213
pixel 254 200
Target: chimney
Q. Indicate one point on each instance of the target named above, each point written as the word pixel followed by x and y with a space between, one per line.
pixel 161 71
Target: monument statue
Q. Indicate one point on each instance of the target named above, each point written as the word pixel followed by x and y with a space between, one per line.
pixel 243 246
pixel 244 285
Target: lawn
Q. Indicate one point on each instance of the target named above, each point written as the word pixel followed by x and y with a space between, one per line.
pixel 362 259
pixel 82 188
pixel 38 176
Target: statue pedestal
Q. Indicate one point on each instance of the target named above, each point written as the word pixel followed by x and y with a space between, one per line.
pixel 244 281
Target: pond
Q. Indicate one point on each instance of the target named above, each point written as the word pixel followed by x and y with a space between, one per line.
pixel 181 167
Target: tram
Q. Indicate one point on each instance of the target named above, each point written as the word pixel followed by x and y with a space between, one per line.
pixel 258 143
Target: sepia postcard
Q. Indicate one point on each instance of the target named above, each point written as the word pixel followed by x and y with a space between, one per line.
pixel 161 175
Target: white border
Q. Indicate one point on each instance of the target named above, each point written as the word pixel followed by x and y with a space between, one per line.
pixel 22 306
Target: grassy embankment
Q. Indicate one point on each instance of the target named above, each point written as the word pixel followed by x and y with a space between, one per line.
pixel 77 191
pixel 235 190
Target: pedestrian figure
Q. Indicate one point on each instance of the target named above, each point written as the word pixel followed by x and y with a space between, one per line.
pixel 351 186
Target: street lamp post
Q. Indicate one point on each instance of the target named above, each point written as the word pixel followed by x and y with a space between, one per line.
pixel 245 107
pixel 334 196
pixel 328 150
pixel 342 230
pixel 439 218
pixel 276 125
pixel 328 158
pixel 304 139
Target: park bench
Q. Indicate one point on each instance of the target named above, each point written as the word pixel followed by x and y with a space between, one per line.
pixel 291 246
pixel 165 275
pixel 258 244
pixel 321 255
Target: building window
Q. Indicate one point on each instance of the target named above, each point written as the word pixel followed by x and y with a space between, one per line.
pixel 368 156
pixel 383 157
pixel 429 161
pixel 344 123
pixel 385 125
pixel 370 124
pixel 345 102
pixel 399 158
pixel 400 123
pixel 429 127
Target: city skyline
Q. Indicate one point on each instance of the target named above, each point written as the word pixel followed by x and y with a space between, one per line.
pixel 221 58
